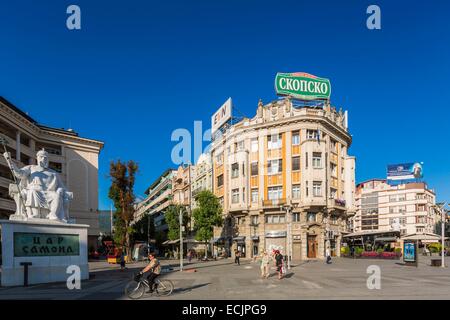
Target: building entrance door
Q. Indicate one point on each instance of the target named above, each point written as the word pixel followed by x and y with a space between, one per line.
pixel 312 247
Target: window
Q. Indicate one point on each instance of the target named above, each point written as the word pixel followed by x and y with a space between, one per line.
pixel 234 170
pixel 333 169
pixel 402 197
pixel 254 168
pixel 402 209
pixel 307 189
pixel 274 141
pixel 254 220
pixel 235 196
pixel 240 145
pixel 317 188
pixel 275 193
pixel 296 191
pixel 295 163
pixel 296 217
pixel 295 138
pixel 275 166
pixel 220 181
pixel 333 193
pixel 311 217
pixel 312 134
pixel 254 195
pixel 273 218
pixel 306 160
pixel 333 145
pixel 219 159
pixel 317 160
pixel 254 145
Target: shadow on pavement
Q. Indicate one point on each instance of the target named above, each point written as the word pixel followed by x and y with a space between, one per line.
pixel 188 289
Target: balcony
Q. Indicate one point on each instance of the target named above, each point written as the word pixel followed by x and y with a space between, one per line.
pixel 274 202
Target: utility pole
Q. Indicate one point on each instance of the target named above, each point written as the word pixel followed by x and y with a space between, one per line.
pixel 181 239
pixel 443 216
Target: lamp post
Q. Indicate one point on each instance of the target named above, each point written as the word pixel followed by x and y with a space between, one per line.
pixel 181 239
pixel 288 209
pixel 442 211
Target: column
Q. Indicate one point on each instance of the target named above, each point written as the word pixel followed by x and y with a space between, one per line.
pixel 18 145
pixel 33 151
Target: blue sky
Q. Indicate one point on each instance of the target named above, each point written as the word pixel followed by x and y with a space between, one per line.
pixel 137 70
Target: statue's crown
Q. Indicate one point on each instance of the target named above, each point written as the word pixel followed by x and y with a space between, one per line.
pixel 42 153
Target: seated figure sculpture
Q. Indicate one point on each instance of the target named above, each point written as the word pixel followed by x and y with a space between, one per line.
pixel 41 190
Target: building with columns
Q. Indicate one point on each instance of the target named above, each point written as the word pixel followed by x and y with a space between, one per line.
pixel 74 157
pixel 285 180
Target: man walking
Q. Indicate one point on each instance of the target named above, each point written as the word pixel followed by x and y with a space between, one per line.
pixel 237 257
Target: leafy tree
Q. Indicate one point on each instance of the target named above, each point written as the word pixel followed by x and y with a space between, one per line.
pixel 144 229
pixel 122 193
pixel 207 215
pixel 172 216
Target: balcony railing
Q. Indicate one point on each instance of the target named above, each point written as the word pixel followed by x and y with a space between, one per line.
pixel 274 202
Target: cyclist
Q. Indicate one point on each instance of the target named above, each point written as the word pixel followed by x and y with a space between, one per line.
pixel 154 269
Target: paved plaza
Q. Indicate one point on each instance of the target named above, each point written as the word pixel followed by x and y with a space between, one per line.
pixel 344 279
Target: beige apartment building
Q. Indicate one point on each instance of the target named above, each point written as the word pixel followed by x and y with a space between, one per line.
pixel 407 207
pixel 74 157
pixel 201 178
pixel 159 197
pixel 285 180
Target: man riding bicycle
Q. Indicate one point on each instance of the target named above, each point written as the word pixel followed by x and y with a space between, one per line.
pixel 154 267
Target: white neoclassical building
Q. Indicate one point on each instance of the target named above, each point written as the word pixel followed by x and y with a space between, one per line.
pixel 74 157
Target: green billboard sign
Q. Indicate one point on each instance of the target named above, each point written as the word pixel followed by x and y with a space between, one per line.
pixel 302 86
pixel 45 245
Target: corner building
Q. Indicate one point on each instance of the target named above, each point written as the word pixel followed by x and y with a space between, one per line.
pixel 285 181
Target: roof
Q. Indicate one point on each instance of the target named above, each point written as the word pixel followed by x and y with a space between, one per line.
pixel 368 233
pixel 423 236
pixel 68 132
pixel 157 181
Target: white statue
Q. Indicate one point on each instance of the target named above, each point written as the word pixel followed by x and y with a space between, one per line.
pixel 40 190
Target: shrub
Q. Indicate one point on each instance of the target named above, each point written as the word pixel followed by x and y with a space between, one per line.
pixel 369 254
pixel 380 251
pixel 345 251
pixel 389 255
pixel 435 247
pixel 358 251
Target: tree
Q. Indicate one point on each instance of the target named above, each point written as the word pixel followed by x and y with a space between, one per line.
pixel 122 193
pixel 207 215
pixel 144 229
pixel 172 216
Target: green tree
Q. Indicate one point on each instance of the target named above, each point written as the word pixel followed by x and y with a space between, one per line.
pixel 172 216
pixel 144 229
pixel 207 215
pixel 121 193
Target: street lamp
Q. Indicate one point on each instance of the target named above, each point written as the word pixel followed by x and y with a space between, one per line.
pixel 442 211
pixel 288 209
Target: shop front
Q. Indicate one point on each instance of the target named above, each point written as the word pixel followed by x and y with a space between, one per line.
pixel 276 240
pixel 255 246
pixel 240 246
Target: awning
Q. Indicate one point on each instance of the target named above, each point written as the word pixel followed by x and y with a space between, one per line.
pixel 216 240
pixel 255 238
pixel 424 237
pixel 386 239
pixel 239 239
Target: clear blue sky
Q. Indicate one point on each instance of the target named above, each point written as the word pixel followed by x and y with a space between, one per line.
pixel 137 70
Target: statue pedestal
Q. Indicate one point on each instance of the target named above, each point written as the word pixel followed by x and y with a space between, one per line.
pixel 50 246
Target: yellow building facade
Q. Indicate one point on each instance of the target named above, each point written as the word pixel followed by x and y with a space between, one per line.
pixel 285 181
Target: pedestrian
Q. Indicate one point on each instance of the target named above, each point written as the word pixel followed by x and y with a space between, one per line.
pixel 189 256
pixel 265 265
pixel 279 264
pixel 328 255
pixel 122 261
pixel 237 256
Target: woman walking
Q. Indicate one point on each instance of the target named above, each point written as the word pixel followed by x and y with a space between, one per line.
pixel 279 264
pixel 265 265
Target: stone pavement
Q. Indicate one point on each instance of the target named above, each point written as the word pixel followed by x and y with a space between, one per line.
pixel 344 279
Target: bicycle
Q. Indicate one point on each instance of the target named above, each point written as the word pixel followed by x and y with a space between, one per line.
pixel 135 289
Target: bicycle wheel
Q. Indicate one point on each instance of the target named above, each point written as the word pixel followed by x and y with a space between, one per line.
pixel 134 290
pixel 164 288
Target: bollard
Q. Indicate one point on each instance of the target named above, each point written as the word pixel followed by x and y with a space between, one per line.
pixel 25 272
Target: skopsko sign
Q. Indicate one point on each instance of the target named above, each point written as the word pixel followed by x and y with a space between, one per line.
pixel 302 86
